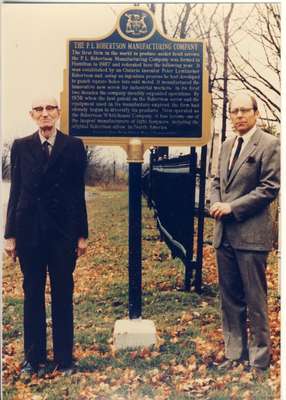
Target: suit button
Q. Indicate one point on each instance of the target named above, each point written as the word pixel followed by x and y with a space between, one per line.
pixel 39 198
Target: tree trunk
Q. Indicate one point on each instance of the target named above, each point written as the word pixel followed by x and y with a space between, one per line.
pixel 225 72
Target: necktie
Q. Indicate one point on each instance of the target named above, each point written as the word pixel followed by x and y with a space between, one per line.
pixel 46 150
pixel 236 154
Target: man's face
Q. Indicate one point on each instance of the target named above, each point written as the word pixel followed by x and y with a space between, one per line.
pixel 45 112
pixel 242 115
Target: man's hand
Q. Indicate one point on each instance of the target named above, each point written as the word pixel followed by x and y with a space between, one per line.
pixel 218 210
pixel 10 248
pixel 81 246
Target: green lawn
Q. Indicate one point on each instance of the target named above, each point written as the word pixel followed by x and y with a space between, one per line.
pixel 183 363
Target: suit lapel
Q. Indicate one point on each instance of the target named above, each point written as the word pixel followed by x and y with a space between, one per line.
pixel 58 147
pixel 249 148
pixel 35 148
pixel 225 159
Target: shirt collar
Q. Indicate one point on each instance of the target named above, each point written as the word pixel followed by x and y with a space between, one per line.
pixel 51 139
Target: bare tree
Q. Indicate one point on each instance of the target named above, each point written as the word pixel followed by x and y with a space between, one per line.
pixel 96 166
pixel 152 7
pixel 228 31
pixel 6 148
pixel 225 71
pixel 231 32
pixel 100 170
pixel 260 72
pixel 163 18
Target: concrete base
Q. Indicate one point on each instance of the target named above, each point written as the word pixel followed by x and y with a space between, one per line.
pixel 133 333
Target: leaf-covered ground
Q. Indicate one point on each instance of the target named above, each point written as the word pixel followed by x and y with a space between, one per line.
pixel 183 364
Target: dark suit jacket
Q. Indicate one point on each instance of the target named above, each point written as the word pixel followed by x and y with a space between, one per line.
pixel 47 199
pixel 253 183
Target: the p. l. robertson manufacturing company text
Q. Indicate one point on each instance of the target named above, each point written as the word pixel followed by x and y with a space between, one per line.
pixel 132 87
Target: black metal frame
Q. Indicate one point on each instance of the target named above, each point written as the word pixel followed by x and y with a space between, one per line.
pixel 194 254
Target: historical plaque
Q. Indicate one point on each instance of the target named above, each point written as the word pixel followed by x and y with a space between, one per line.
pixel 138 83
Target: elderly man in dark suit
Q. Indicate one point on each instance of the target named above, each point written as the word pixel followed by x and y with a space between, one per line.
pixel 246 183
pixel 47 229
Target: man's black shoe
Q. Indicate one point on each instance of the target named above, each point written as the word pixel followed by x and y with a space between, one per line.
pixel 29 368
pixel 256 371
pixel 229 364
pixel 42 370
pixel 66 369
pixel 27 371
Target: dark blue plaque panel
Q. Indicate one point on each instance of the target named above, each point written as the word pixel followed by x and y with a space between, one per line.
pixel 122 88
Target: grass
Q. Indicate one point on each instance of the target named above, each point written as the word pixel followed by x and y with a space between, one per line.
pixel 183 363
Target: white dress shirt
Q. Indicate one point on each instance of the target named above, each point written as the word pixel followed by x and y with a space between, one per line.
pixel 50 140
pixel 246 137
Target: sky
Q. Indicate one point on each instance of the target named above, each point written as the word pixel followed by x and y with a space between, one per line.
pixel 34 55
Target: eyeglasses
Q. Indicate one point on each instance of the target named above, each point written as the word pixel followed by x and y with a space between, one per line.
pixel 48 108
pixel 243 110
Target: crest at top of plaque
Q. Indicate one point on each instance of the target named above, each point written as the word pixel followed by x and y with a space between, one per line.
pixel 136 24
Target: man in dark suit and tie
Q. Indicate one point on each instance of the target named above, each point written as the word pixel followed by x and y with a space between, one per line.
pixel 47 230
pixel 246 183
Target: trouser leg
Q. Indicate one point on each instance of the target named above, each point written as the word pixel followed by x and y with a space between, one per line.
pixel 33 267
pixel 61 266
pixel 252 266
pixel 233 305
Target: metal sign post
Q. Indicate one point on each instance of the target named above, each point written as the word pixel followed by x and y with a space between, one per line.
pixel 135 159
pixel 135 332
